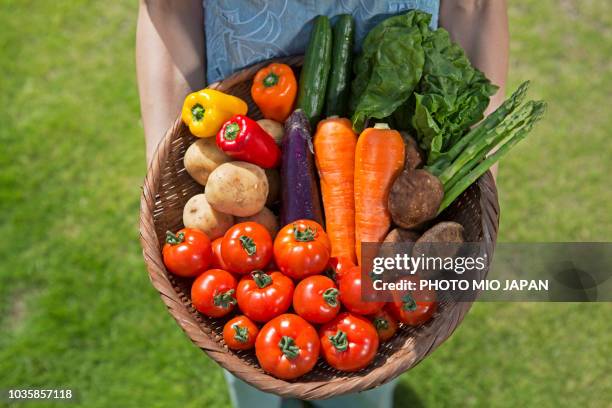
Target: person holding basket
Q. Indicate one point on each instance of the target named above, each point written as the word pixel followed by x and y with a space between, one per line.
pixel 183 45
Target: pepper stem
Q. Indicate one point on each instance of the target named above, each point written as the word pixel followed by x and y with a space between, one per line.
pixel 225 299
pixel 288 347
pixel 331 297
pixel 242 333
pixel 261 278
pixel 306 235
pixel 197 111
pixel 270 80
pixel 408 304
pixel 339 341
pixel 174 239
pixel 381 323
pixel 231 131
pixel 248 244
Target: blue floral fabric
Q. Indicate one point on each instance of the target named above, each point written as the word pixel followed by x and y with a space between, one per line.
pixel 240 33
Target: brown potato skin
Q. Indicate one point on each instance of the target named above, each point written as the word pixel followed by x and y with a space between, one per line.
pixel 446 232
pixel 415 198
pixel 202 157
pixel 401 235
pixel 199 214
pixel 414 157
pixel 237 188
pixel 274 129
pixel 266 218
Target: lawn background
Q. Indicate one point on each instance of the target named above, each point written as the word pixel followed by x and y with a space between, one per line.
pixel 77 309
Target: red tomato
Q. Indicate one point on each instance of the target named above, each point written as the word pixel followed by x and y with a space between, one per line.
pixel 287 346
pixel 302 249
pixel 350 293
pixel 413 307
pixel 246 247
pixel 212 293
pixel 316 299
pixel 240 333
pixel 217 259
pixel 340 264
pixel 262 296
pixel 385 324
pixel 349 342
pixel 187 253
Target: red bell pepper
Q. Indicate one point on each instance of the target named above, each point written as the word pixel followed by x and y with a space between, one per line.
pixel 243 139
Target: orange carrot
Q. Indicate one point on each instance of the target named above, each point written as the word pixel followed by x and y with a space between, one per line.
pixel 334 145
pixel 379 158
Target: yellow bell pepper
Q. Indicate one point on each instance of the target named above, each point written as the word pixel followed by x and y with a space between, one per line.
pixel 207 110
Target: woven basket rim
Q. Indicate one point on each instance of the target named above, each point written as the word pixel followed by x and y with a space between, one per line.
pixel 400 361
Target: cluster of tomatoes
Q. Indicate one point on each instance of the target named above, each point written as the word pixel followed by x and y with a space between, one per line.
pixel 265 278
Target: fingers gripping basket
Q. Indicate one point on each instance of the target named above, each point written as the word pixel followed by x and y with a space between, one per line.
pixel 167 187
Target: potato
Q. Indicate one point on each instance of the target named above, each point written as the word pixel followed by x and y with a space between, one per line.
pixel 415 198
pixel 442 240
pixel 199 214
pixel 447 231
pixel 273 186
pixel 237 188
pixel 401 235
pixel 414 157
pixel 397 242
pixel 273 128
pixel 202 157
pixel 266 218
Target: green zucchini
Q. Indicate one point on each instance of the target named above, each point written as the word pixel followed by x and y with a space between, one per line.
pixel 317 62
pixel 338 85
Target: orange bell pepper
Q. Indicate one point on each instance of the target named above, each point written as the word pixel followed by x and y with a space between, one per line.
pixel 274 90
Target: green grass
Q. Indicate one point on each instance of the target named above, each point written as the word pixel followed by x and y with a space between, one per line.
pixel 76 306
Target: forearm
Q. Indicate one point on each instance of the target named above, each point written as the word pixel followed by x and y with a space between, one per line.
pixel 481 28
pixel 169 62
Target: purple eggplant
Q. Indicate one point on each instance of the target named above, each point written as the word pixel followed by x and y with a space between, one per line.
pixel 300 191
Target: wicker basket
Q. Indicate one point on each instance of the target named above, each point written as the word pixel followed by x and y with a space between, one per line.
pixel 167 187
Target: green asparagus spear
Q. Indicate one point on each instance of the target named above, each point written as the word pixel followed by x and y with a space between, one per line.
pixel 486 125
pixel 479 170
pixel 479 148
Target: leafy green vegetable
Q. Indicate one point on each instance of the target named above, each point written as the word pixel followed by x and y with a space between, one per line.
pixel 451 96
pixel 390 66
pixel 421 79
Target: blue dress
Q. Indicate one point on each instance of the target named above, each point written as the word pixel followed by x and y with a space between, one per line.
pixel 240 33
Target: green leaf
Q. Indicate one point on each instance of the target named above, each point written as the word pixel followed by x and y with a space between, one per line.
pixel 451 96
pixel 389 68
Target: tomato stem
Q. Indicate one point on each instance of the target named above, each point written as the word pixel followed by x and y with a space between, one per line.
pixel 381 323
pixel 225 299
pixel 306 235
pixel 242 333
pixel 261 278
pixel 174 239
pixel 339 341
pixel 331 297
pixel 248 244
pixel 409 304
pixel 288 347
